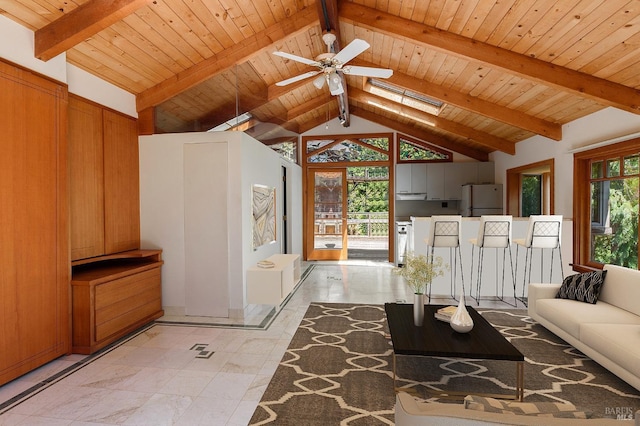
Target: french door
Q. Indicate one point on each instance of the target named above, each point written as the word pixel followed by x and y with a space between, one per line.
pixel 327 214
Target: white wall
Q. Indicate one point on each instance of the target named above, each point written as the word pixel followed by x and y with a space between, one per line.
pixel 20 51
pixel 608 124
pixel 162 209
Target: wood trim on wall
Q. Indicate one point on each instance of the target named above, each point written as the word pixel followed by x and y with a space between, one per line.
pixel 513 183
pixel 308 228
pixel 582 199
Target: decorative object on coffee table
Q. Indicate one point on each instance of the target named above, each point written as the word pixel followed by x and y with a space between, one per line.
pixel 461 321
pixel 418 309
pixel 418 272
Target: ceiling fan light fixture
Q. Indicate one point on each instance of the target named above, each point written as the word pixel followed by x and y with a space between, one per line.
pixel 335 84
pixel 319 81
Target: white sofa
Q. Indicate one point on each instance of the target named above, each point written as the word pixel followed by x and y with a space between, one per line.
pixel 608 331
pixel 409 412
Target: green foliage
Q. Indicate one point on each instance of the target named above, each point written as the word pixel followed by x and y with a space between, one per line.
pixel 409 151
pixel 419 270
pixel 531 195
pixel 620 247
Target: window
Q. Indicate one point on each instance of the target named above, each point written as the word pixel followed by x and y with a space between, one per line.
pixel 531 194
pixel 606 204
pixel 413 150
pixel 530 189
pixel 404 96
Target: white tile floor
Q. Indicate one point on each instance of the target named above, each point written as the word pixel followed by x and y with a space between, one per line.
pixel 181 374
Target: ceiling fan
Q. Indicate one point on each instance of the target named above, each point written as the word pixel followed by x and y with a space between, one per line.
pixel 330 64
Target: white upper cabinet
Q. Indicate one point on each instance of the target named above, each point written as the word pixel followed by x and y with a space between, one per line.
pixel 411 178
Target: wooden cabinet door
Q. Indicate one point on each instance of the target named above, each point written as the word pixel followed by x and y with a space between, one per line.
pixel 121 183
pixel 34 266
pixel 86 179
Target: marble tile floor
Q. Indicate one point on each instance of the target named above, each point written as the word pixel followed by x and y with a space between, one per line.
pixel 177 373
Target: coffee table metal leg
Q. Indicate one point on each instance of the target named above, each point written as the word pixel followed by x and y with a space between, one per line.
pixel 520 380
pixel 395 387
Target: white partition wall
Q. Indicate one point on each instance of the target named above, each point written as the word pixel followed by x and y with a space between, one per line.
pixel 205 229
pixel 195 204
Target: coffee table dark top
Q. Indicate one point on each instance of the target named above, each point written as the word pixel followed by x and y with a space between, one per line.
pixel 437 338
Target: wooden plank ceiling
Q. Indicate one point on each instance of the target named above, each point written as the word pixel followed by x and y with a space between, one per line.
pixel 505 69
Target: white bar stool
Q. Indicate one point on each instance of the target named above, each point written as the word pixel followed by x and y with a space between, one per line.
pixel 494 232
pixel 444 232
pixel 544 232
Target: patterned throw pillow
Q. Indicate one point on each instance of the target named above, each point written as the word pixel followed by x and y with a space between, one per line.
pixel 582 287
pixel 539 409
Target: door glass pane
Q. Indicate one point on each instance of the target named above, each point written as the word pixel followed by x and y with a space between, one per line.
pixel 614 222
pixel 328 210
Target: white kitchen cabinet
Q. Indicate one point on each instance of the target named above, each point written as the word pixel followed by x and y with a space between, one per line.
pixel 456 175
pixel 411 178
pixel 435 181
pixel 486 172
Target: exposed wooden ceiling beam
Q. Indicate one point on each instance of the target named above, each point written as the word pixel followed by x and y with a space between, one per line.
pixel 81 23
pixel 578 83
pixel 239 53
pixel 473 104
pixel 422 134
pixel 482 138
pixel 314 103
pixel 329 21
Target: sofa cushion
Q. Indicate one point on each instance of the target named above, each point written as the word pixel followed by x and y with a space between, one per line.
pixel 582 287
pixel 539 409
pixel 570 314
pixel 618 342
pixel 622 288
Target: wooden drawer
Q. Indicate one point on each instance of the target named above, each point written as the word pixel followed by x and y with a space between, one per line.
pixel 113 298
pixel 125 301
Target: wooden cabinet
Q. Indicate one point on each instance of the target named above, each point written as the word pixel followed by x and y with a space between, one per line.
pixel 122 186
pixel 105 198
pixel 114 295
pixel 86 179
pixel 34 232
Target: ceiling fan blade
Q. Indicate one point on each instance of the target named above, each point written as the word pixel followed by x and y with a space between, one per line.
pixel 297 58
pixel 367 71
pixel 298 78
pixel 350 51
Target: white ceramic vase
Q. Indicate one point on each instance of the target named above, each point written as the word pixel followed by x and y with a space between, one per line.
pixel 418 309
pixel 461 321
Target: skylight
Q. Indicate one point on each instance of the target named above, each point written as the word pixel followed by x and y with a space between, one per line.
pixel 231 123
pixel 404 96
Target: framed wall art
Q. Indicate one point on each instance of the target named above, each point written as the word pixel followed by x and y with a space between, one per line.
pixel 263 204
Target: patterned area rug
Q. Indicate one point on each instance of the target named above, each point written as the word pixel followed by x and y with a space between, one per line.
pixel 338 371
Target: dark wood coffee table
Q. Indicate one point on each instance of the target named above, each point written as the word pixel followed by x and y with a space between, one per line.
pixel 437 339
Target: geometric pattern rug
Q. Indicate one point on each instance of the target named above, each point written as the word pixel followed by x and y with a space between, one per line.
pixel 337 370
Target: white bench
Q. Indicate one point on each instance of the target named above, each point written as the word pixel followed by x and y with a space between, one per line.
pixel 270 286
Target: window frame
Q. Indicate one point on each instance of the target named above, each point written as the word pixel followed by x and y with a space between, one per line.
pixel 582 196
pixel 422 145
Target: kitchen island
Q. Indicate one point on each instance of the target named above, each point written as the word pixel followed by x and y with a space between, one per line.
pixel 470 227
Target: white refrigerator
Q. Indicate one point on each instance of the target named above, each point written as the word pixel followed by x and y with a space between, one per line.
pixel 478 200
